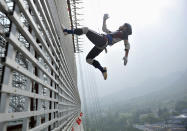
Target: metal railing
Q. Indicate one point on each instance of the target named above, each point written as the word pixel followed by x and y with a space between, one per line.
pixel 38 90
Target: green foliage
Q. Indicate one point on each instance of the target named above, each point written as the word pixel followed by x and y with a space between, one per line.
pixel 180 105
pixel 152 108
pixel 123 119
pixel 163 114
pixel 148 118
pixel 131 128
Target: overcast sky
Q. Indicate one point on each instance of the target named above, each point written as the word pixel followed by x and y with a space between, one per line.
pixel 158 42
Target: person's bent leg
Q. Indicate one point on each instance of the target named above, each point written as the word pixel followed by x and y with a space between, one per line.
pixel 96 38
pixel 78 31
pixel 90 60
pixel 95 63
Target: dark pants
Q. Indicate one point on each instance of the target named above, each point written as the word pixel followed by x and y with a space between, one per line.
pixel 99 41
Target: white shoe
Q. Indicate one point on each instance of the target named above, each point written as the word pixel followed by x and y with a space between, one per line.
pixel 105 73
pixel 63 28
pixel 65 33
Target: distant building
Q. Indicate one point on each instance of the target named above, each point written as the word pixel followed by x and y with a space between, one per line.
pixel 184 111
pixel 175 123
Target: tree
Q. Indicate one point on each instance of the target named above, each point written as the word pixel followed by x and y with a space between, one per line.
pixel 180 105
pixel 148 118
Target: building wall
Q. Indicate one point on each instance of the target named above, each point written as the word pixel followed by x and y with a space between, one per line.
pixel 39 77
pixel 59 9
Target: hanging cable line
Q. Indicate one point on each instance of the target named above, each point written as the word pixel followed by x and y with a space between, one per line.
pixel 94 110
pixel 84 101
pixel 88 86
pixel 91 97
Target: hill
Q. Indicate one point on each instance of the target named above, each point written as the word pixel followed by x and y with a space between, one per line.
pixel 155 92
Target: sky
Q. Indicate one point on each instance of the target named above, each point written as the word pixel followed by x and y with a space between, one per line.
pixel 158 42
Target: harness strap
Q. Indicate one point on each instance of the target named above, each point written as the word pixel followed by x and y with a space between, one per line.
pixel 109 38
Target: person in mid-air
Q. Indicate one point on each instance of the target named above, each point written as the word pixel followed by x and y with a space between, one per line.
pixel 101 41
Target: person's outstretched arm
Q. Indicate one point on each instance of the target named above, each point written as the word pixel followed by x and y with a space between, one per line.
pixel 127 48
pixel 104 28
